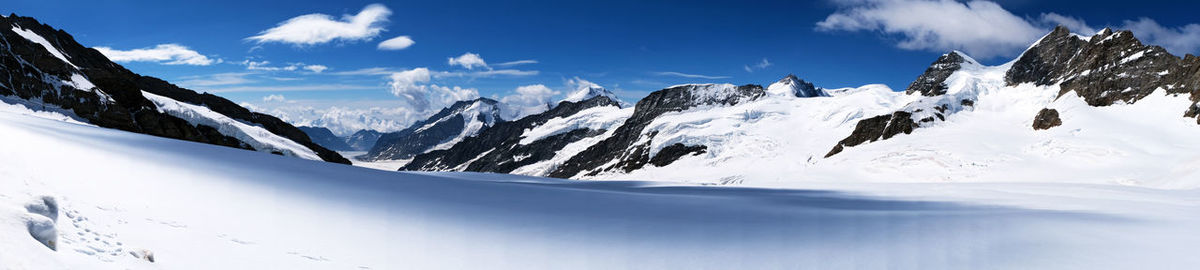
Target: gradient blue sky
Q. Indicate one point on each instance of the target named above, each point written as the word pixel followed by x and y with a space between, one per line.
pixel 631 47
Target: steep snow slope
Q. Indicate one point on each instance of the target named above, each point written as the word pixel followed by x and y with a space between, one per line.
pixel 197 206
pixel 257 137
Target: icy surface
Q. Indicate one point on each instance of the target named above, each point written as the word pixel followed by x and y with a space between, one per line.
pixel 198 206
pixel 256 136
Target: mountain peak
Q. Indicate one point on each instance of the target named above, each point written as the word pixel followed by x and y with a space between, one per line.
pixel 794 87
pixel 589 90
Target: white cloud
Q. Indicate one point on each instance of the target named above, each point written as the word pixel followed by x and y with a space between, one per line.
pixel 168 54
pixel 230 78
pixel 273 98
pixel 980 28
pixel 315 68
pixel 396 43
pixel 1075 24
pixel 266 66
pixel 528 99
pixel 514 63
pixel 760 65
pixel 1179 40
pixel 685 75
pixel 316 28
pixel 292 88
pixel 343 117
pixel 413 88
pixel 467 60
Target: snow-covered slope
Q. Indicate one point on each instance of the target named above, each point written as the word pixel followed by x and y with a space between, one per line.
pixel 198 206
pixel 257 137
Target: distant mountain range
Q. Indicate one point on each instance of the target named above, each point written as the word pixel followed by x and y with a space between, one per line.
pixel 1100 99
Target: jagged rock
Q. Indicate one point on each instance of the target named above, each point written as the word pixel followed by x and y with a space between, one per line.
pixel 115 100
pixel 624 147
pixel 1106 68
pixel 498 148
pixel 933 81
pixel 446 126
pixel 880 127
pixel 1046 119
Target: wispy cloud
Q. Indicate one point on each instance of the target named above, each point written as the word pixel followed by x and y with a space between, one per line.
pixel 230 78
pixel 167 54
pixel 685 75
pixel 396 43
pixel 292 88
pixel 274 98
pixel 313 29
pixel 514 63
pixel 757 66
pixel 266 66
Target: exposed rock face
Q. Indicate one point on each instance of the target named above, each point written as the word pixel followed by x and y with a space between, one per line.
pixel 629 149
pixel 460 120
pixel 80 80
pixel 363 140
pixel 881 127
pixel 326 138
pixel 933 81
pixel 1107 68
pixel 1046 119
pixel 498 148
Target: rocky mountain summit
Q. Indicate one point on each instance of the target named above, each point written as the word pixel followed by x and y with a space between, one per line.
pixel 442 130
pixel 503 148
pixel 48 68
pixel 1107 68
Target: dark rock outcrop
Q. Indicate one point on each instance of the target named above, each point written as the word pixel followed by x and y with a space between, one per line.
pixel 1046 119
pixel 624 147
pixel 1106 68
pixel 876 128
pixel 446 125
pixel 498 148
pixel 326 138
pixel 34 73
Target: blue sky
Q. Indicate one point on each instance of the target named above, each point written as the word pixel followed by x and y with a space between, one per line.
pixel 630 47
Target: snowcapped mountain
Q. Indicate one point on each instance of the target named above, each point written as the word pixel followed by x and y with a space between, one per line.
pixel 1072 108
pixel 795 87
pixel 47 70
pixel 440 131
pixel 538 140
pixel 589 90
